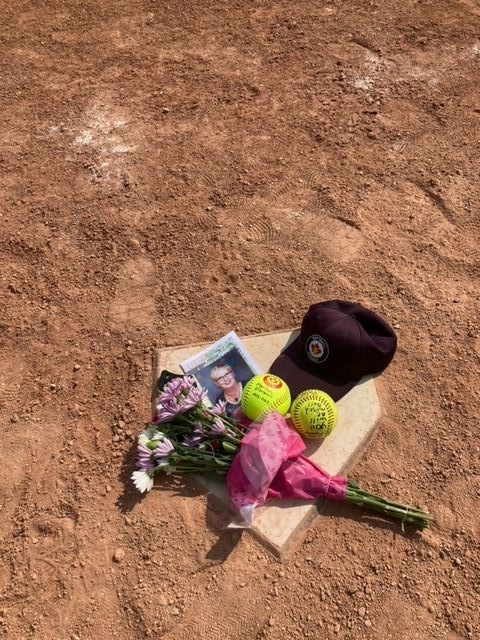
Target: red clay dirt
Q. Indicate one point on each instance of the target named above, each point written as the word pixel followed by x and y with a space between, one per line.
pixel 172 171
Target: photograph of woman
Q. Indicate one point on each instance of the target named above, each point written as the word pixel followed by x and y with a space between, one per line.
pixel 225 379
pixel 223 369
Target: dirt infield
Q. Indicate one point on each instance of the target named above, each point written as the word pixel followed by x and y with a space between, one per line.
pixel 172 171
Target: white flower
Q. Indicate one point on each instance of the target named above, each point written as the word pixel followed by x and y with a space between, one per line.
pixel 143 480
pixel 143 438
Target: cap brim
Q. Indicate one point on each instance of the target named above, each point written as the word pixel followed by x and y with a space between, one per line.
pixel 289 366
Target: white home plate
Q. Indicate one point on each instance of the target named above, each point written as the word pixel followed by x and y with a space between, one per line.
pixel 280 525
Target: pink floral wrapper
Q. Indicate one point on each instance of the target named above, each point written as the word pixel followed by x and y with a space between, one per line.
pixel 270 465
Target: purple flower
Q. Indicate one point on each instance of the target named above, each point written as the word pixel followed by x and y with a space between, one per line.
pixel 175 386
pixel 175 389
pixel 163 448
pixel 166 411
pixel 178 396
pixel 145 462
pixel 219 408
pixel 190 396
pixel 218 427
pixel 166 401
pixel 193 440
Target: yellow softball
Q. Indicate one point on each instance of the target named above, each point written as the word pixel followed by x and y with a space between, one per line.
pixel 314 414
pixel 265 393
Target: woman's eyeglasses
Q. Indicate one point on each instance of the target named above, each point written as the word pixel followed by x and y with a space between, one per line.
pixel 224 377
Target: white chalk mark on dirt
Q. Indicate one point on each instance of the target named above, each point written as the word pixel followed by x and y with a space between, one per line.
pixel 373 66
pixel 106 132
pixel 430 67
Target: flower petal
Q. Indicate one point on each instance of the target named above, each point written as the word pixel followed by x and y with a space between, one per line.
pixel 143 480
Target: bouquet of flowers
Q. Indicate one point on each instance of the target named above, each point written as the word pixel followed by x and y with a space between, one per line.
pixel 261 461
pixel 186 435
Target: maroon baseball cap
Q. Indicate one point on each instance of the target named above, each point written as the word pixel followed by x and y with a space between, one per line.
pixel 339 343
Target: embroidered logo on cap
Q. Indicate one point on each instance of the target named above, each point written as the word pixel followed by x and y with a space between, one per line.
pixel 316 348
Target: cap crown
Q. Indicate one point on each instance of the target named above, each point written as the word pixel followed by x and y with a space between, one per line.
pixel 342 340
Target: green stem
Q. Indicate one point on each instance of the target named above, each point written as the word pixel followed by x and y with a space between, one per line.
pixel 187 468
pixel 229 447
pixel 202 460
pixel 418 518
pixel 360 492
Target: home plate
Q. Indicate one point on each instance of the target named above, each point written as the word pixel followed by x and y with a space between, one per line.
pixel 281 525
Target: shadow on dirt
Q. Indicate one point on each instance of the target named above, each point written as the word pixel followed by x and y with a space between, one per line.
pixel 217 515
pixel 130 497
pixel 339 510
pixel 217 519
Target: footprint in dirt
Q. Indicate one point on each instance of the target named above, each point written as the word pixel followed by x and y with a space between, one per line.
pixel 292 216
pixel 252 220
pixel 134 303
pixel 52 551
pixel 247 615
pixel 339 241
pixel 328 235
